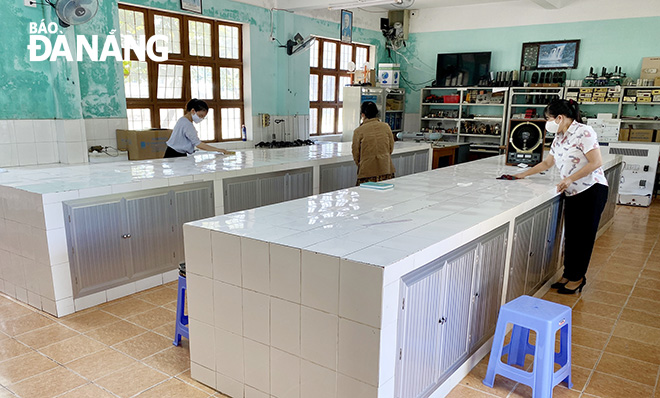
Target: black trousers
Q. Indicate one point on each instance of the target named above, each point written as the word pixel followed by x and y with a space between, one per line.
pixel 581 217
pixel 171 153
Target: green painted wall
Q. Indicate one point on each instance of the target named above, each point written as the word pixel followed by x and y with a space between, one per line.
pixel 70 90
pixel 622 42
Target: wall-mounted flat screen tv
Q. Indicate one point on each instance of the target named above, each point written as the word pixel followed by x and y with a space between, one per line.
pixel 462 69
pixel 550 55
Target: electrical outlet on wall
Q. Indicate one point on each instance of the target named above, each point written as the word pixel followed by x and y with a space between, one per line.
pixel 30 3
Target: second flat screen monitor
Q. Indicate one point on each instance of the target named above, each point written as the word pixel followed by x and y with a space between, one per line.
pixel 462 69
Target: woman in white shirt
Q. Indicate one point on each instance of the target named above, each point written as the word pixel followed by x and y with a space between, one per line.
pixel 184 137
pixel 575 152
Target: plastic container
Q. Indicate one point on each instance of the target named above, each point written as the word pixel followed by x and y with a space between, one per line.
pixel 451 99
pixel 243 133
pixel 388 75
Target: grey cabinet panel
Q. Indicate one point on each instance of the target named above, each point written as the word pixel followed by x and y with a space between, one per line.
pixel 337 176
pixel 404 164
pixel 553 239
pixel 421 162
pixel 240 194
pixel 487 287
pixel 613 176
pixel 300 184
pixel 519 257
pixel 537 255
pixel 191 205
pixel 272 190
pixel 94 234
pixel 151 234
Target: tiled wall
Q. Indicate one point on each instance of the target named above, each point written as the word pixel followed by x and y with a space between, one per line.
pixel 292 128
pixel 104 131
pixel 264 317
pixel 31 142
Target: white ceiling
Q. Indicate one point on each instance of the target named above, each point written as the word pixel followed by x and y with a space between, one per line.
pixel 417 4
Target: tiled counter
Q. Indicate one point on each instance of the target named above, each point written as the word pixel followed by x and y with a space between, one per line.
pixel 303 299
pixel 34 258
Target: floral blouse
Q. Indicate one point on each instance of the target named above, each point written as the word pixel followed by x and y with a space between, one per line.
pixel 569 150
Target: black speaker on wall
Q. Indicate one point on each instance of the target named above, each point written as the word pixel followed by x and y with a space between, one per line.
pixel 525 143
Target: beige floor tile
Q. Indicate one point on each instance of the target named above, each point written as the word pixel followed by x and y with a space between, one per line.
pixel 649 283
pixel 173 388
pixel 90 320
pixel 24 324
pixel 631 369
pixel 4 393
pixel 634 349
pixel 88 391
pixel 172 361
pixel 649 294
pixel 608 386
pixel 501 388
pixel 628 271
pixel 584 357
pixel 593 322
pixel 46 336
pixel 100 364
pixel 626 261
pixel 73 348
pixel 640 304
pixel 651 274
pixel 579 377
pixel 466 392
pixel 589 338
pixel 638 332
pixel 9 309
pixel 10 348
pixel 116 332
pixel 185 377
pixel 19 368
pixel 609 276
pixel 159 296
pixel 50 384
pixel 166 330
pixel 144 345
pixel 600 296
pixel 600 309
pixel 641 317
pixel 131 380
pixel 611 287
pixel 564 299
pixel 560 391
pixel 154 318
pixel 128 307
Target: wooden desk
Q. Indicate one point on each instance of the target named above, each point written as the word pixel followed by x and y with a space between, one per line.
pixel 448 152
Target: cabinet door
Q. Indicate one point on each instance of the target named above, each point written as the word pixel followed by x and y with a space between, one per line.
pixel 519 257
pixel 420 330
pixel 404 164
pixel 151 233
pixel 99 256
pixel 537 252
pixel 299 184
pixel 553 239
pixel 421 162
pixel 240 194
pixel 455 320
pixel 487 287
pixel 191 205
pixel 337 176
pixel 272 189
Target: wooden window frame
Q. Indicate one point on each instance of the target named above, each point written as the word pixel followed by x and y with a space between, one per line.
pixel 319 104
pixel 214 61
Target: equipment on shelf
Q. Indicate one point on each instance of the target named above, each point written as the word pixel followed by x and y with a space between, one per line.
pixel 421 136
pixel 640 161
pixel 525 143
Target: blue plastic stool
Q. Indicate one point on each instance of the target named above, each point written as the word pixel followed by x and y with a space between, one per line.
pixel 545 318
pixel 181 329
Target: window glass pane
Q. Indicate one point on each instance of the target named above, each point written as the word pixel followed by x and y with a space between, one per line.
pixel 340 120
pixel 230 84
pixel 343 82
pixel 199 38
pixel 314 88
pixel 136 82
pixel 313 121
pixel 139 119
pixel 169 27
pixel 346 56
pixel 314 55
pixel 328 121
pixel 361 57
pixel 131 23
pixel 329 88
pixel 201 82
pixel 329 55
pixel 206 129
pixel 169 117
pixel 170 81
pixel 228 41
pixel 231 123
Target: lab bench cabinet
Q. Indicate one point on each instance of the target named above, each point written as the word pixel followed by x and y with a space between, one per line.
pixel 448 308
pixel 534 258
pixel 249 192
pixel 117 239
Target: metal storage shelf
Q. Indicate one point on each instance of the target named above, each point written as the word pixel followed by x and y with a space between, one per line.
pixel 481 135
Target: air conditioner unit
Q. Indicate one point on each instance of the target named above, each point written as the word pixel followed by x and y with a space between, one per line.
pixel 640 161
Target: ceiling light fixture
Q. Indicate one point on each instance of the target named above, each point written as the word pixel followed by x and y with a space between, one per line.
pixel 363 3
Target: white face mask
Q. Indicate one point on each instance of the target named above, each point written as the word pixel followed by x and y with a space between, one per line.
pixel 196 118
pixel 552 126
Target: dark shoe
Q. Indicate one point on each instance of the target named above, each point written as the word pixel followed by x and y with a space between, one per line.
pixel 558 285
pixel 563 290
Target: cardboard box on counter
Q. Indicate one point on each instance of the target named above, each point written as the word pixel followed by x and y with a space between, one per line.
pixel 143 144
pixel 650 68
pixel 641 135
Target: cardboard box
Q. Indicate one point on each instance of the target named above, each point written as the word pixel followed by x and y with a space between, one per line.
pixel 656 82
pixel 642 135
pixel 624 134
pixel 144 144
pixel 650 68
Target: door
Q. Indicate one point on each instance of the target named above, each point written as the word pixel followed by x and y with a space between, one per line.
pixel 519 257
pixel 553 239
pixel 537 252
pixel 487 287
pixel 272 189
pixel 240 193
pixel 191 205
pixel 299 184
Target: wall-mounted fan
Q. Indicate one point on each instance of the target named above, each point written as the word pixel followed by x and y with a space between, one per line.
pixel 74 12
pixel 299 44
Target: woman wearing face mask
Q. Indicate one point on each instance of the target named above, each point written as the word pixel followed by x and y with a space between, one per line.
pixel 576 154
pixel 184 137
pixel 373 144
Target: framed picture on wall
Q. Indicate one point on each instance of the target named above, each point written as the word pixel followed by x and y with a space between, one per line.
pixel 550 55
pixel 192 5
pixel 346 26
